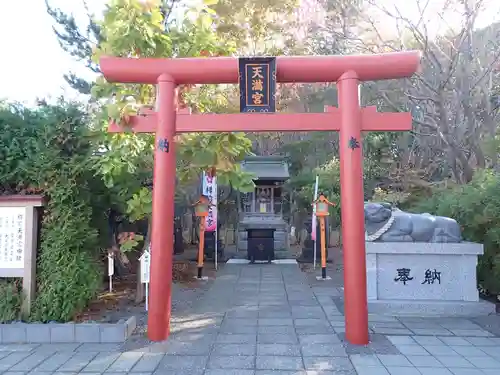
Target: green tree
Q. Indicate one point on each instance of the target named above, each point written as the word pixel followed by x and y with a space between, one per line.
pixel 49 151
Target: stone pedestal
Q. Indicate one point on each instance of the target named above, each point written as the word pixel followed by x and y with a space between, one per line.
pixel 263 222
pixel 418 278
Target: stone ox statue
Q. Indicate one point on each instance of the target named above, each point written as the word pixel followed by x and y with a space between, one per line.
pixel 384 223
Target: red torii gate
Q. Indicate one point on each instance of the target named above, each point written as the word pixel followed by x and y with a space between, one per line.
pixel 349 119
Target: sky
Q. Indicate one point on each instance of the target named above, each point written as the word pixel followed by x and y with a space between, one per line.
pixel 33 64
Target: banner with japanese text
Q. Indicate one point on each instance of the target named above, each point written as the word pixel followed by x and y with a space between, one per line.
pixel 209 189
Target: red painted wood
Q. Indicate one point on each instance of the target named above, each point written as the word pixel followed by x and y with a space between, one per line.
pixel 349 119
pixel 289 68
pixel 272 122
pixel 162 234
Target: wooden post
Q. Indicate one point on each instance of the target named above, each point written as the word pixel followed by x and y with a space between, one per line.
pixel 323 246
pixel 201 247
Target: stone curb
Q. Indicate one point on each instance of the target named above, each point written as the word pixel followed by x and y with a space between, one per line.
pixel 39 333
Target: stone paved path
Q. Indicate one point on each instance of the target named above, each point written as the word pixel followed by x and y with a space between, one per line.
pixel 267 320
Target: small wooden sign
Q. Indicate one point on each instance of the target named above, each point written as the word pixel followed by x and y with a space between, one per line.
pixel 257 78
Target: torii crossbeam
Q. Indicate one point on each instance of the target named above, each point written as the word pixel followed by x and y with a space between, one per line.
pixel 349 119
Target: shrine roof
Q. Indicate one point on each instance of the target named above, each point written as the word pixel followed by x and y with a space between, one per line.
pixel 266 167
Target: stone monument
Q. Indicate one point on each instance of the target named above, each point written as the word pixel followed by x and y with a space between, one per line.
pixel 417 264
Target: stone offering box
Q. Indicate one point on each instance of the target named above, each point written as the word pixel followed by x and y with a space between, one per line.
pixel 425 279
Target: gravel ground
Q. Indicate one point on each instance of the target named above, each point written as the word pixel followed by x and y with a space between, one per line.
pixel 183 299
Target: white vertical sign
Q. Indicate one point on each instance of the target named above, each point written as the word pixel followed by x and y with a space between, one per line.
pixel 111 270
pixel 209 189
pixel 145 260
pixel 12 237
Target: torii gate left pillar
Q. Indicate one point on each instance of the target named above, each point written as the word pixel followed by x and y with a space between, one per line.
pixel 349 119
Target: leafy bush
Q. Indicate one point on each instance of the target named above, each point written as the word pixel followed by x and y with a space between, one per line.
pixel 476 207
pixel 10 300
pixel 49 151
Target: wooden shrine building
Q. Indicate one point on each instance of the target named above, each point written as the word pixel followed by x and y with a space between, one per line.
pixel 262 226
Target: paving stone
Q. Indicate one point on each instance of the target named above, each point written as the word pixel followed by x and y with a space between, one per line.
pixel 372 370
pixel 393 331
pixel 323 350
pixel 229 338
pixel 481 341
pixel 190 371
pixel 434 371
pixel 30 362
pixel 468 351
pixel 77 362
pixel 98 348
pixel 228 372
pixel 268 338
pixel 328 363
pixel 484 362
pixel 182 362
pixel 471 332
pixel 394 360
pixel 492 351
pixel 402 340
pixel 387 325
pixel 310 322
pixel 202 347
pixel 455 361
pixel 125 362
pixel 427 340
pixel 275 314
pixel 432 331
pixel 18 347
pixel 12 359
pixel 315 330
pixel 465 371
pixel 231 362
pixel 239 322
pixel 147 363
pixel 424 361
pixel 279 363
pixel 234 349
pixel 412 350
pixel 291 350
pixel 53 348
pixel 101 362
pixel 395 370
pixel 54 362
pixel 456 341
pixel 238 329
pixel 319 339
pixel 277 329
pixel 359 360
pixel 275 322
pixel 436 350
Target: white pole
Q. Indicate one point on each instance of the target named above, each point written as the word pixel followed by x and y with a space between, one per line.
pixel 216 247
pixel 146 285
pixel 314 220
pixel 111 284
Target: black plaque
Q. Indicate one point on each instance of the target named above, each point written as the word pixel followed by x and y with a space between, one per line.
pixel 257 76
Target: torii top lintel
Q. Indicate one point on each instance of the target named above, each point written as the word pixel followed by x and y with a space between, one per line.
pixel 307 69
